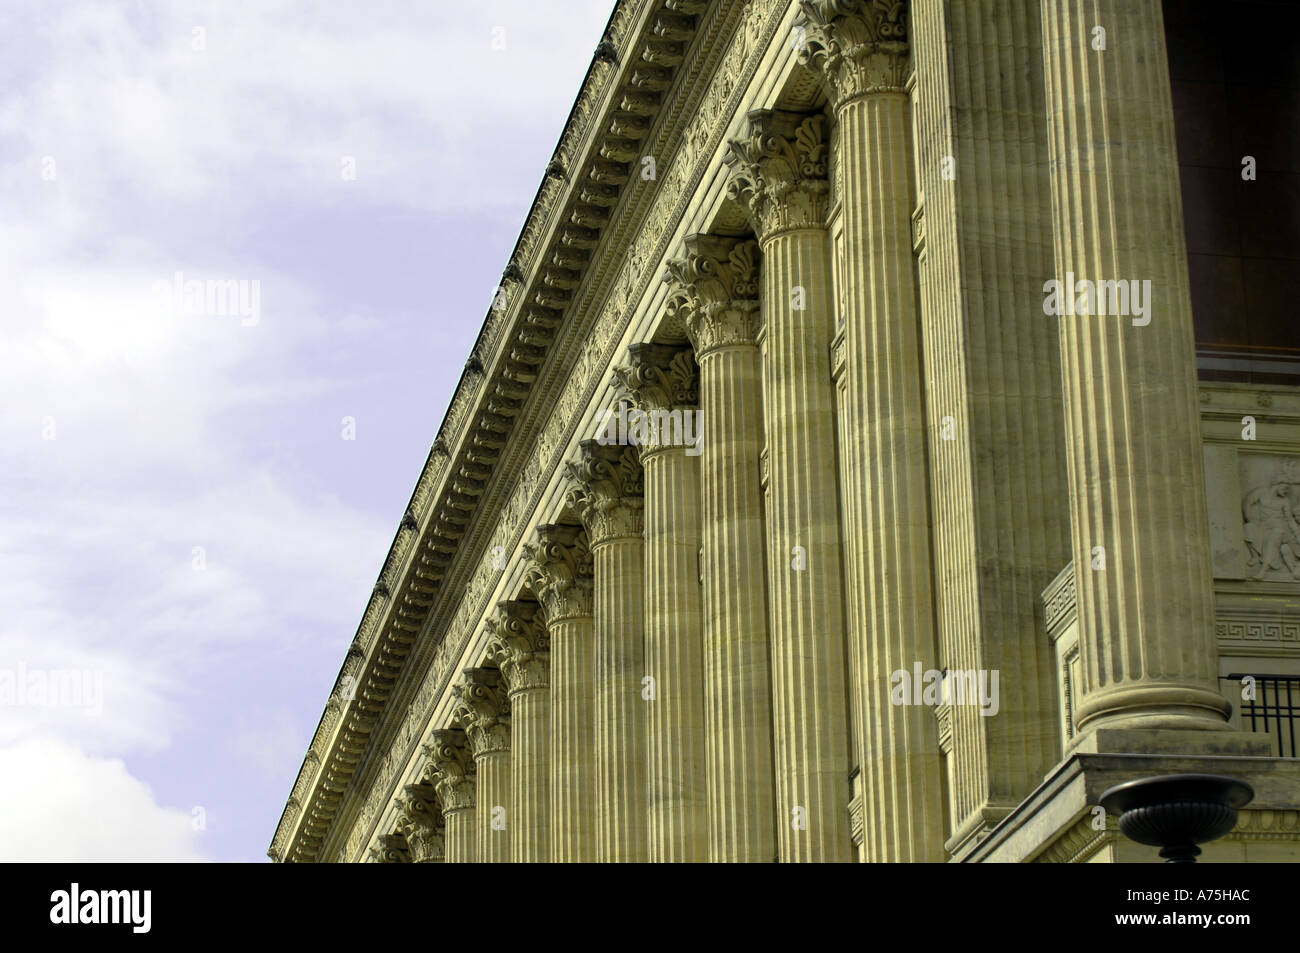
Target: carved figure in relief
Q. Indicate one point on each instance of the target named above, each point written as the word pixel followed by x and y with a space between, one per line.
pixel 1272 531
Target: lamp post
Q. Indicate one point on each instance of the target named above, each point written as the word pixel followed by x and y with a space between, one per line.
pixel 1175 812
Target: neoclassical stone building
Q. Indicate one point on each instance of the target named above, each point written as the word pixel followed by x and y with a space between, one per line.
pixel 787 510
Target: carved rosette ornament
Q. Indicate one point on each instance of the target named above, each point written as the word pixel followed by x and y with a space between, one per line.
pixel 421 823
pixel 857 46
pixel 608 491
pixel 562 575
pixel 521 646
pixel 714 292
pixel 778 172
pixel 451 769
pixel 483 707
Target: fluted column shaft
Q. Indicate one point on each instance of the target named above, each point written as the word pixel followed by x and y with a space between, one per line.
pixel 676 782
pixel 573 746
pixel 530 825
pixel 1137 488
pixel 521 647
pixel 1000 509
pixel 561 578
pixel 886 532
pixel 737 672
pixel 809 691
pixel 607 495
pixel 493 814
pixel 620 710
pixel 714 291
pixel 663 382
pixel 779 175
pixel 462 836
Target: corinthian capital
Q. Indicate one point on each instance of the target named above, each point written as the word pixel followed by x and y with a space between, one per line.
pixel 451 769
pixel 608 490
pixel 714 292
pixel 391 849
pixel 521 646
pixel 561 572
pixel 856 46
pixel 778 171
pixel 660 377
pixel 421 823
pixel 483 707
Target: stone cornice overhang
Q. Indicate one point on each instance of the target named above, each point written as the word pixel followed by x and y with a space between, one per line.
pixel 634 65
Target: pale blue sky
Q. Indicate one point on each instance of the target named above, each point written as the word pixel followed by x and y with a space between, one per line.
pixel 141 139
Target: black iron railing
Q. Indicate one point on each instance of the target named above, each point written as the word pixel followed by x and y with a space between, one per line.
pixel 1271 704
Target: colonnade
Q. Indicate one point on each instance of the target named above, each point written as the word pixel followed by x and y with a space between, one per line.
pixel 703 651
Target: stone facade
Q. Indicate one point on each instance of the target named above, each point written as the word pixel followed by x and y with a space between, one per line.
pixel 777 516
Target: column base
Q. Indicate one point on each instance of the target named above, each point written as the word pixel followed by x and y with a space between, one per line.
pixel 1154 706
pixel 1057 823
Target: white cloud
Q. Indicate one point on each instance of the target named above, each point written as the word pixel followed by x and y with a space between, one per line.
pixel 175 432
pixel 62 805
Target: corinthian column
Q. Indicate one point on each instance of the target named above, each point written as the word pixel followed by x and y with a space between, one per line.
pixel 1137 488
pixel 779 177
pixel 664 384
pixel 451 770
pixel 522 649
pixel 715 293
pixel 607 497
pixel 561 578
pixel 483 708
pixel 859 50
pixel 422 824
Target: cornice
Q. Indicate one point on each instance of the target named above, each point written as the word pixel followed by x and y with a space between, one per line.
pixel 634 64
pixel 685 131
